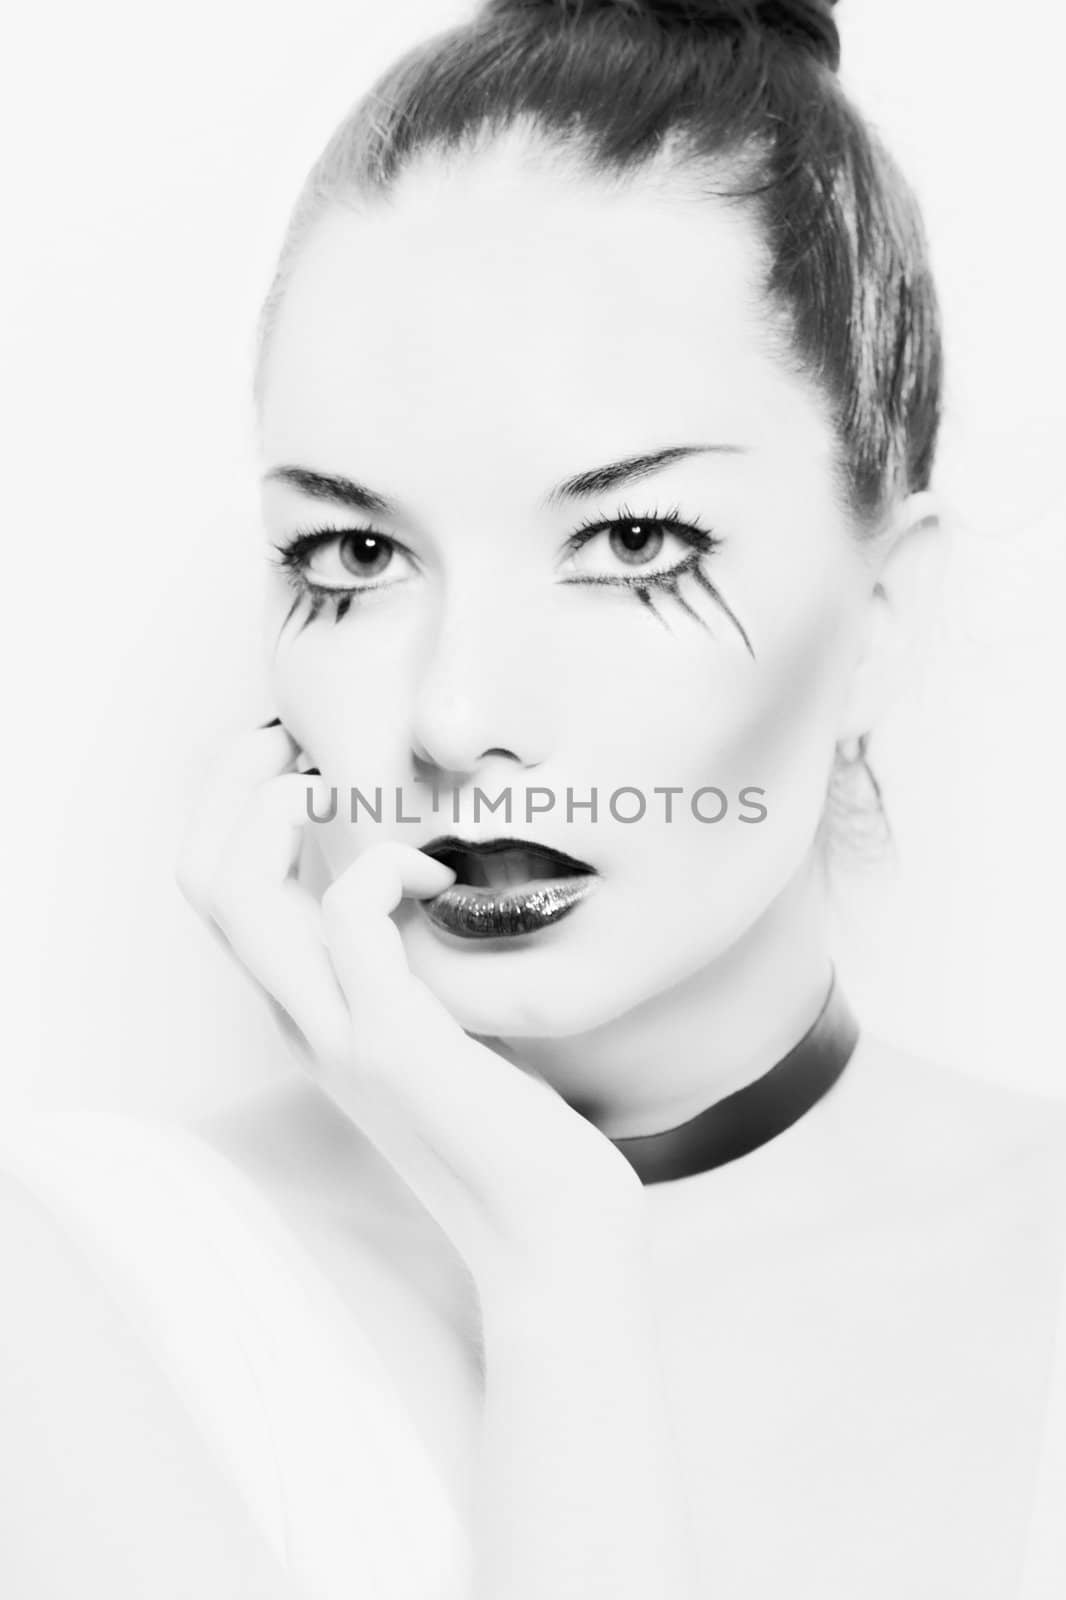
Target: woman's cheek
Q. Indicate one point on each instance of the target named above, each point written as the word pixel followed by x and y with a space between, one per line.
pixel 790 725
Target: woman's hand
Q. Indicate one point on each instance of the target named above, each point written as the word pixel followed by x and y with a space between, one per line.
pixel 526 1188
pixel 578 1486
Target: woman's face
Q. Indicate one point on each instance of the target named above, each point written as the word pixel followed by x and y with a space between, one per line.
pixel 475 353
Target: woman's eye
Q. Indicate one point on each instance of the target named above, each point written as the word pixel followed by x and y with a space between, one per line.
pixel 364 555
pixel 633 547
pixel 636 542
pixel 344 561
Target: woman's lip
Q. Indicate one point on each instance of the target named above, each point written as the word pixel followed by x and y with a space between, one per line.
pixel 447 844
pixel 473 913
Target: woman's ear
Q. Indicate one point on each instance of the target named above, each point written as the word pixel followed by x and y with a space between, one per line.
pixel 907 579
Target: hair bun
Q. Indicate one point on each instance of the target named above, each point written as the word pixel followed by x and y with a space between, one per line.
pixel 809 24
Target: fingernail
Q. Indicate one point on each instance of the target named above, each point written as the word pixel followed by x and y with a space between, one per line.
pixel 275 722
pixel 311 772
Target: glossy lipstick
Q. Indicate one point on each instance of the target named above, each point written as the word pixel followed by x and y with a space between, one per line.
pixel 505 887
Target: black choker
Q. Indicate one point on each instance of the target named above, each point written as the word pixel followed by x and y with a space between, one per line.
pixel 759 1111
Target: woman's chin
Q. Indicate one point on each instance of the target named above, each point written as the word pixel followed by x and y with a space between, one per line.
pixel 514 1013
pixel 502 993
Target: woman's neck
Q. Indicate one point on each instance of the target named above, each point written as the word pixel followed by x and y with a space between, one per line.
pixel 727 1024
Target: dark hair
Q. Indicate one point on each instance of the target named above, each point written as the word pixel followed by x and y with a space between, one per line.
pixel 743 91
pixel 743 95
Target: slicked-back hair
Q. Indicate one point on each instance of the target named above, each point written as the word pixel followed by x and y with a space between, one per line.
pixel 741 96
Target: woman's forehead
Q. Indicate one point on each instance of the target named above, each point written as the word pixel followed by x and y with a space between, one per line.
pixel 495 298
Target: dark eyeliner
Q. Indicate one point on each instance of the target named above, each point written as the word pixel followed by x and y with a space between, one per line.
pixel 702 542
pixel 689 529
pixel 292 557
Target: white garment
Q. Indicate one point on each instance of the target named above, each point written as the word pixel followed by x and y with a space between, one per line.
pixel 1044 1575
pixel 311 1429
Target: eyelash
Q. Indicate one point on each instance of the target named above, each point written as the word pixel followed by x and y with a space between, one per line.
pixel 702 542
pixel 292 556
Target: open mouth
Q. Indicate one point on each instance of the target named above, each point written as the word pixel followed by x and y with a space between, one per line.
pixel 503 863
pixel 505 887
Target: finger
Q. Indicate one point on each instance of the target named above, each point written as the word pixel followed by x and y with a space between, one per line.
pixel 276 942
pixel 250 760
pixel 364 942
pixel 403 1035
pixel 264 841
pixel 461 1123
pixel 379 878
pixel 272 923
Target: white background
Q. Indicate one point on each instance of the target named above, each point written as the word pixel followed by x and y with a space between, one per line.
pixel 150 156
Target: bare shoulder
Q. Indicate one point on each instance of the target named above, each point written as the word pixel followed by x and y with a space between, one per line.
pixel 997 1113
pixel 955 1127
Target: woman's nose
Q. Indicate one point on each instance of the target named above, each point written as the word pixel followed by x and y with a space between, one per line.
pixel 485 688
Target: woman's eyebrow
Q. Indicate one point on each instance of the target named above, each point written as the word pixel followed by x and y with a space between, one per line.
pixel 328 486
pixel 597 479
pixel 346 492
